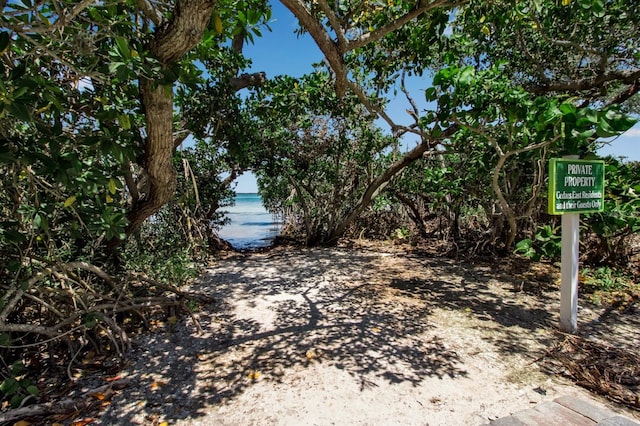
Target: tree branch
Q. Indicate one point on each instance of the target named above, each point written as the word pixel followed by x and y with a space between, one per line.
pixel 184 31
pixel 380 182
pixel 397 129
pixel 335 23
pixel 248 80
pixel 90 268
pixel 58 25
pixel 630 77
pixel 625 94
pixel 150 12
pixel 565 43
pixel 394 25
pixel 329 48
pixel 414 112
pixel 131 185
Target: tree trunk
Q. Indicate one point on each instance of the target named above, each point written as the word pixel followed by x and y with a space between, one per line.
pixel 414 213
pixel 381 181
pixel 172 40
pixel 158 154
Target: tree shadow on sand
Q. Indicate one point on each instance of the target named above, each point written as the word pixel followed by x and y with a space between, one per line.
pixel 286 311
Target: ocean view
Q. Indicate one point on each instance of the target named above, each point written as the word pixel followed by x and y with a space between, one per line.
pixel 251 225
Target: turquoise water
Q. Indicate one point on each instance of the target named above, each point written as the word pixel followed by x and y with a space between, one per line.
pixel 251 225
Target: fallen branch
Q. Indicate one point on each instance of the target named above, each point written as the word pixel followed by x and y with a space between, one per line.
pixel 68 405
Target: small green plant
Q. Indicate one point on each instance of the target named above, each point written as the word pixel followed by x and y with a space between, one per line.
pixel 546 244
pixel 193 306
pixel 176 267
pixel 605 279
pixel 15 388
pixel 400 234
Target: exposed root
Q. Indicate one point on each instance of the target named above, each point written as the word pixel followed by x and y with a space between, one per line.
pixel 64 315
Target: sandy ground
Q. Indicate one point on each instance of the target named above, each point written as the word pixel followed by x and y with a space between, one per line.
pixel 365 336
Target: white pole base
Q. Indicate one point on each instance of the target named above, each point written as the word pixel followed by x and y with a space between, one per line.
pixel 569 270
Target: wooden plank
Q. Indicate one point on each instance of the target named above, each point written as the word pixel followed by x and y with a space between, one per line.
pixel 618 421
pixel 533 417
pixel 507 421
pixel 585 408
pixel 562 415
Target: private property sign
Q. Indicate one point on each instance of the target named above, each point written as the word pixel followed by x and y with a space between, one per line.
pixel 575 186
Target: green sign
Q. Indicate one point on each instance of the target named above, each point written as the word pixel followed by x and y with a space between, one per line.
pixel 575 186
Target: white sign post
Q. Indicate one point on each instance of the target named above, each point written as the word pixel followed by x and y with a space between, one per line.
pixel 575 186
pixel 569 272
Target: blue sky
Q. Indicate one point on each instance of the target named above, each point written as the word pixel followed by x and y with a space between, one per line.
pixel 281 51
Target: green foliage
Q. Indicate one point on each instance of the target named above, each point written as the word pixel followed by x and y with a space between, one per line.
pixel 318 153
pixel 605 278
pixel 545 245
pixel 15 386
pixel 513 83
pixel 607 236
pixel 175 265
pixel 619 222
pixel 551 41
pixel 400 234
pixel 76 162
pixel 73 130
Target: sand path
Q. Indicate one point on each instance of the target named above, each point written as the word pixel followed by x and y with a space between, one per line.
pixel 349 336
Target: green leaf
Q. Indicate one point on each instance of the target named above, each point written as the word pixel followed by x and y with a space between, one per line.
pixel 17 368
pixel 550 114
pixel 124 121
pixel 582 135
pixel 115 66
pixel 40 222
pixel 567 108
pixel 586 4
pixel 20 110
pixel 13 265
pixel 465 76
pixel 9 386
pixel 217 24
pixel 604 130
pixel 13 236
pixel 69 201
pixel 16 400
pixel 618 121
pixel 112 186
pixel 19 92
pixel 7 156
pixel 525 248
pixel 597 8
pixel 123 47
pixel 430 94
pixel 443 77
pixel 253 16
pixel 37 221
pixel 586 117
